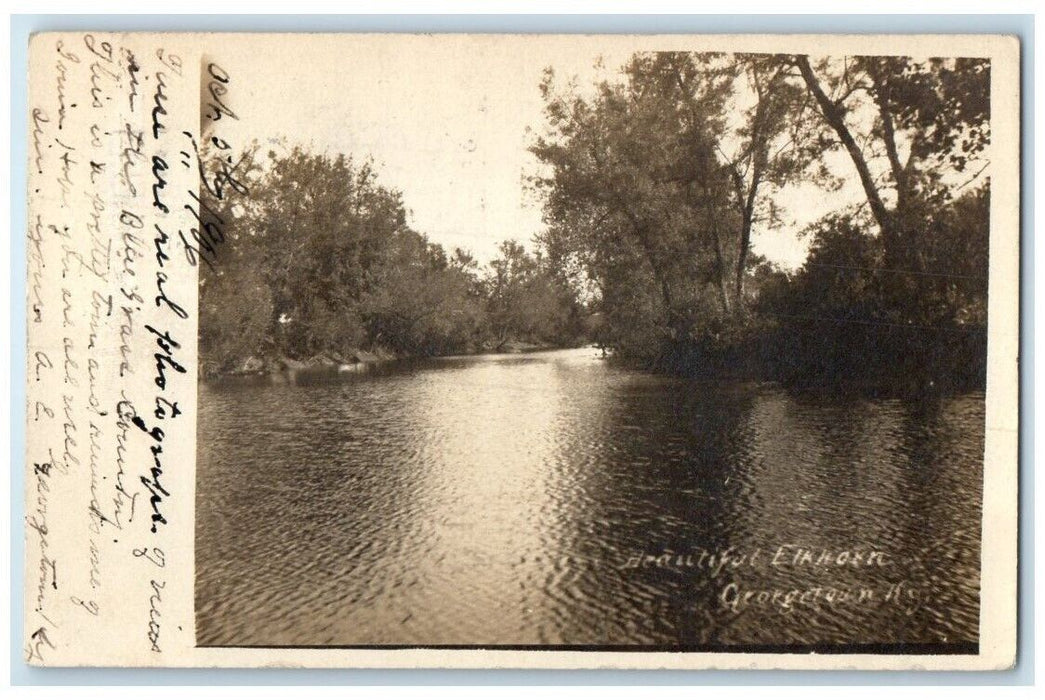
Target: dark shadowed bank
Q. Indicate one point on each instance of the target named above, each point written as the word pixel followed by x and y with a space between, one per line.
pixel 654 184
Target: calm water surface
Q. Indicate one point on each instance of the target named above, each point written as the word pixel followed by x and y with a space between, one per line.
pixel 553 498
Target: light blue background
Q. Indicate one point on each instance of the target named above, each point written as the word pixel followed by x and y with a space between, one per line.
pixel 23 25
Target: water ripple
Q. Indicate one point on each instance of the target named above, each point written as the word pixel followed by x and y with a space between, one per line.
pixel 506 499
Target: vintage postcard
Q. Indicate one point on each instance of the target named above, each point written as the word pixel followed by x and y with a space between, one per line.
pixel 544 351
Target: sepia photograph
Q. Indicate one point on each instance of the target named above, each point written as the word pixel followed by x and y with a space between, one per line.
pixel 554 347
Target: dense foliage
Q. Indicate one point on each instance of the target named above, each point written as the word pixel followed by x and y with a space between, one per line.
pixel 655 184
pixel 318 262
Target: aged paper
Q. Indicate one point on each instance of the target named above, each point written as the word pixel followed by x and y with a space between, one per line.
pixel 286 407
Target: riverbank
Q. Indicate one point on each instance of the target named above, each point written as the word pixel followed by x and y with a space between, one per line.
pixel 353 360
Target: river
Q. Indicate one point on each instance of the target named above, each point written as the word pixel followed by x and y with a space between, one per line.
pixel 554 498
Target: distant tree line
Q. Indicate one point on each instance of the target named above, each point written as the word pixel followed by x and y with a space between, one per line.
pixel 655 184
pixel 319 263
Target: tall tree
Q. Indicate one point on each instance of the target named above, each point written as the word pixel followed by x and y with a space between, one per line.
pixel 664 171
pixel 922 118
pixel 635 180
pixel 774 146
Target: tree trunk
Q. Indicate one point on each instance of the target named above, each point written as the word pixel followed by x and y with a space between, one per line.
pixel 836 119
pixel 720 264
pixel 747 221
